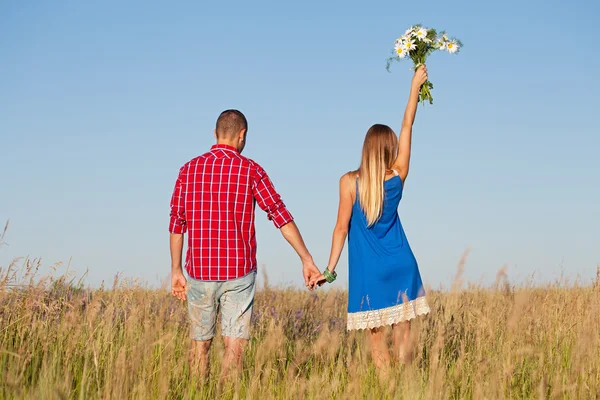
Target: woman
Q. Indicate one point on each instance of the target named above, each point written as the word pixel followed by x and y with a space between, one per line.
pixel 384 282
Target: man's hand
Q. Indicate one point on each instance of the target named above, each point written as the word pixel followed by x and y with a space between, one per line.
pixel 178 285
pixel 310 272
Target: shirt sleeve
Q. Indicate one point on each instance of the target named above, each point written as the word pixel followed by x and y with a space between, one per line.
pixel 178 223
pixel 269 200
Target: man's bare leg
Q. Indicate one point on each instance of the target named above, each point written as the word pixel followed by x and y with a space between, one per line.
pixel 233 357
pixel 199 358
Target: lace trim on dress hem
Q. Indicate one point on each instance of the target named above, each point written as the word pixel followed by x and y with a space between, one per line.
pixel 387 316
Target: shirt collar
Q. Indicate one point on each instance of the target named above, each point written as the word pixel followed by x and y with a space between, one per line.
pixel 224 147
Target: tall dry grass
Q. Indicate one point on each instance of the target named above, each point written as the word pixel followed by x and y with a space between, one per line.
pixel 60 340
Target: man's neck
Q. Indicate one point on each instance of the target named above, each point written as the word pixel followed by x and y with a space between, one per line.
pixel 227 142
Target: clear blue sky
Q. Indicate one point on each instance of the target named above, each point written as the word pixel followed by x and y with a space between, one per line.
pixel 102 102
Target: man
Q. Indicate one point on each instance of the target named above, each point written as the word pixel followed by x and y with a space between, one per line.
pixel 213 202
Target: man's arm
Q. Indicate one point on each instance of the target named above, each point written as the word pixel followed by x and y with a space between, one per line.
pixel 309 270
pixel 177 228
pixel 178 281
pixel 270 201
pixel 176 244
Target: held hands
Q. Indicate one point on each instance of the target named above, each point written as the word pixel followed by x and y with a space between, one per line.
pixel 318 280
pixel 178 285
pixel 420 77
pixel 322 278
pixel 310 272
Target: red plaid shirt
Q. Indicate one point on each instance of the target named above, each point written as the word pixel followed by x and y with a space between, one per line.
pixel 213 201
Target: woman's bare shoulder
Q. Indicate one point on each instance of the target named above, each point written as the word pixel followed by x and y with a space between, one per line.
pixel 349 177
pixel 351 174
pixel 348 182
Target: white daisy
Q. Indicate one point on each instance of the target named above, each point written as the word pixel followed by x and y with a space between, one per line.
pixel 452 46
pixel 421 34
pixel 410 32
pixel 400 52
pixel 409 45
pixel 441 44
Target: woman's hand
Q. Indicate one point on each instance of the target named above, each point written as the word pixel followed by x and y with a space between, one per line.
pixel 318 280
pixel 420 76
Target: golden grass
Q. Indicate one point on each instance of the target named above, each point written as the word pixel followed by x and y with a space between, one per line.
pixel 58 340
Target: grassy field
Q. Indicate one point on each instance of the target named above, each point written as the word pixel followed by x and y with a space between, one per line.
pixel 59 340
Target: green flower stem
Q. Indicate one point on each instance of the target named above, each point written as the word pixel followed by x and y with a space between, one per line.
pixel 425 92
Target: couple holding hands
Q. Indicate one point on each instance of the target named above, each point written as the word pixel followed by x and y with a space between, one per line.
pixel 214 201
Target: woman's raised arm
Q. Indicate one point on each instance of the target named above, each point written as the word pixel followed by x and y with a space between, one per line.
pixel 404 141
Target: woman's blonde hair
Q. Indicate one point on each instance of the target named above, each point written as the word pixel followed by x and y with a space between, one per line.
pixel 378 155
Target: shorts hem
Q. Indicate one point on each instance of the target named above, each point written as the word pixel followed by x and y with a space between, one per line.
pixel 203 338
pixel 235 335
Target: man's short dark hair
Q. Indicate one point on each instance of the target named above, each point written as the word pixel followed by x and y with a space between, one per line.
pixel 230 123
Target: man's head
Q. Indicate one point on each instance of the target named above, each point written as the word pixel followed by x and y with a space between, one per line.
pixel 231 129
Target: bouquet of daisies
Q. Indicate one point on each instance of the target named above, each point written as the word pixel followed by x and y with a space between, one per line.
pixel 418 43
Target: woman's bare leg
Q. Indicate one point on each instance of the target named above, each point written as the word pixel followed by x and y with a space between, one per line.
pixel 379 349
pixel 401 342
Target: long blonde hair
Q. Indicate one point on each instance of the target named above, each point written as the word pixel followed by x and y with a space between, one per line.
pixel 378 155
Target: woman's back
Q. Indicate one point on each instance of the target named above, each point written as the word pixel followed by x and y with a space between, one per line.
pixel 392 187
pixel 383 271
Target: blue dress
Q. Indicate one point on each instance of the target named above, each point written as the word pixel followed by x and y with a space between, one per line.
pixel 384 282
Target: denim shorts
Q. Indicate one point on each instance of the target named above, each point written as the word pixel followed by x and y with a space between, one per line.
pixel 234 299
